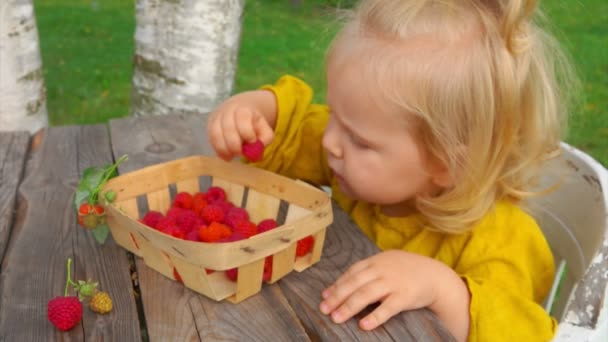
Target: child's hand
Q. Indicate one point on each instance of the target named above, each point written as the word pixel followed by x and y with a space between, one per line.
pixel 245 117
pixel 400 281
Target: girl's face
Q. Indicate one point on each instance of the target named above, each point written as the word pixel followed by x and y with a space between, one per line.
pixel 373 153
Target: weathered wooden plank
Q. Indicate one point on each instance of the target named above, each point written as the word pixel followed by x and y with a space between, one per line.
pixel 13 153
pixel 34 266
pixel 172 311
pixel 344 245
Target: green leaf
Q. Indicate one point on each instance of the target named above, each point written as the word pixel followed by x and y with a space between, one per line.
pixel 93 176
pixel 80 196
pixel 101 233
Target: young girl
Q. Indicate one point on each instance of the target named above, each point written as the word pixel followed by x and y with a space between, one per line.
pixel 439 114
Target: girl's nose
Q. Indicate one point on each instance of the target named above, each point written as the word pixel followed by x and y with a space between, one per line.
pixel 331 140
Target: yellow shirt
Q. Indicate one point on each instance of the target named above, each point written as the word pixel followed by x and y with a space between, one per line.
pixel 504 260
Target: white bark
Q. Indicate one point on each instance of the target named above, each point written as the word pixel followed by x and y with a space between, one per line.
pixel 22 91
pixel 185 54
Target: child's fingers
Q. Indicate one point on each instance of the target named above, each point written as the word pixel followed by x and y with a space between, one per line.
pixel 343 288
pixel 232 138
pixel 244 118
pixel 387 309
pixel 263 131
pixel 363 296
pixel 345 277
pixel 216 138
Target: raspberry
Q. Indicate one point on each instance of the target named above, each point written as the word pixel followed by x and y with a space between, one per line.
pixel 64 312
pixel 152 218
pixel 192 235
pixel 199 202
pixel 176 275
pixel 183 200
pixel 266 225
pixel 176 232
pixel 232 274
pixel 236 214
pixel 213 213
pixel 174 212
pixel 233 237
pixel 225 205
pixel 187 220
pixel 214 232
pixel 253 151
pixel 101 303
pixel 85 208
pixel 305 245
pixel 165 224
pixel 215 194
pixel 246 228
pixel 267 269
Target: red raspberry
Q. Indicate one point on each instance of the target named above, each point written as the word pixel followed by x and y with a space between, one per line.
pixel 85 208
pixel 183 200
pixel 253 151
pixel 176 232
pixel 192 235
pixel 199 202
pixel 176 275
pixel 213 213
pixel 152 218
pixel 64 312
pixel 174 212
pixel 225 205
pixel 247 228
pixel 266 225
pixel 215 194
pixel 233 237
pixel 165 223
pixel 232 274
pixel 188 220
pixel 267 269
pixel 236 214
pixel 305 245
pixel 214 232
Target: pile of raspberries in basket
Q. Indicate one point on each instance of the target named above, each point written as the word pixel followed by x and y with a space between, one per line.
pixel 210 217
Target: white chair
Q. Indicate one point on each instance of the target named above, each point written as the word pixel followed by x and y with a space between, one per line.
pixel 574 219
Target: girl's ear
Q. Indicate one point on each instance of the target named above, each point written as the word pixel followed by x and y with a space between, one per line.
pixel 441 176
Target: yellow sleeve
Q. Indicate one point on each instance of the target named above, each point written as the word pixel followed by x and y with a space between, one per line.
pixel 296 150
pixel 508 268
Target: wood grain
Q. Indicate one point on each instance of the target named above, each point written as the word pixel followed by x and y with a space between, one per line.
pixel 13 152
pixel 174 313
pixel 34 266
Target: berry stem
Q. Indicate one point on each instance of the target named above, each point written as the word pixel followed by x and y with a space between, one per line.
pixel 94 196
pixel 69 279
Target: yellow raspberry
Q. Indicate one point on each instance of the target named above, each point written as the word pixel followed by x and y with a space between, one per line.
pixel 101 303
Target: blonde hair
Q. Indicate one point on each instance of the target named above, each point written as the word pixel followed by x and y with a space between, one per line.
pixel 485 84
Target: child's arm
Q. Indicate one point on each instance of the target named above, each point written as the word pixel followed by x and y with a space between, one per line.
pixel 293 145
pixel 401 281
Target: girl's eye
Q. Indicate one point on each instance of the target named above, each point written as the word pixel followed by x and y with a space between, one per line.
pixel 357 141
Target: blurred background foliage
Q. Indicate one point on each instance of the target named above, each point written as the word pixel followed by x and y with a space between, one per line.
pixel 87 50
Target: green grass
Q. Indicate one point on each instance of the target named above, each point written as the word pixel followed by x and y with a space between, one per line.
pixel 87 48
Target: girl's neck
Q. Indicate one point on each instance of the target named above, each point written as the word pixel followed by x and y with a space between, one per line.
pixel 401 209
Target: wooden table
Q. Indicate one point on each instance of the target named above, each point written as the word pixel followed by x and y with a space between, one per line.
pixel 38 232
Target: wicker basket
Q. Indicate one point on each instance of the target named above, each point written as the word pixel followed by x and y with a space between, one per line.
pixel 306 210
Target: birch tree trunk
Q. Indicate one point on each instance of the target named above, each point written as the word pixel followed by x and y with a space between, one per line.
pixel 185 54
pixel 22 91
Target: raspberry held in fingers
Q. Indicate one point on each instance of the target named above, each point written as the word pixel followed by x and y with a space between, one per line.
pixel 253 151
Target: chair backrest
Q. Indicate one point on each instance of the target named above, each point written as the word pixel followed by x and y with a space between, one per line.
pixel 573 219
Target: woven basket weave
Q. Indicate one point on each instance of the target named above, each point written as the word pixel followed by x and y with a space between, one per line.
pixel 308 212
